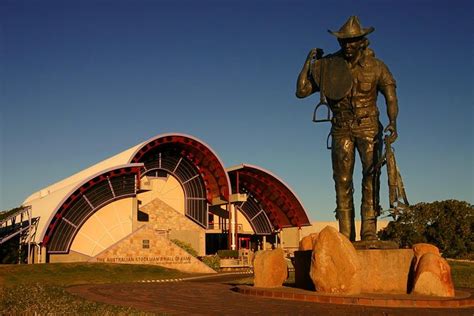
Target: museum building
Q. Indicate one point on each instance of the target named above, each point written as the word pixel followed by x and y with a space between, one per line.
pixel 170 187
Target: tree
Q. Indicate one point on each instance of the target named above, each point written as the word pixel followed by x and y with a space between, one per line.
pixel 449 225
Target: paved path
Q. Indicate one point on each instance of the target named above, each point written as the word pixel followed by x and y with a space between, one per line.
pixel 212 297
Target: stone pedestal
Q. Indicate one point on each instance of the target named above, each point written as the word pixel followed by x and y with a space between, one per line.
pixel 335 266
pixel 386 271
pixel 374 244
pixel 302 264
pixel 382 271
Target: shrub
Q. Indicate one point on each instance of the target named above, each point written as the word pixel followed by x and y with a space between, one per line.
pixel 214 262
pixel 446 224
pixel 186 246
pixel 224 253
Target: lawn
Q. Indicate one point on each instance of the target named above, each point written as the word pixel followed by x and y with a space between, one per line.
pixel 40 288
pixel 462 273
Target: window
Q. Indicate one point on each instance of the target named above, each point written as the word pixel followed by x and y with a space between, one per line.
pixel 161 174
pixel 145 244
pixel 142 216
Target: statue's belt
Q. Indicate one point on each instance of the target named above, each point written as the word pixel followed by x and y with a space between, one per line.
pixel 368 111
pixel 354 118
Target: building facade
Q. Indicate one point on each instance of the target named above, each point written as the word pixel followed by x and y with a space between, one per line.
pixel 170 187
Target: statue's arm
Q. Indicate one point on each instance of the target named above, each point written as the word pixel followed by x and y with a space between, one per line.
pixel 389 92
pixel 305 84
pixel 388 86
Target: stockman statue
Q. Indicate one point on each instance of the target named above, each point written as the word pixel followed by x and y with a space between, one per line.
pixel 349 81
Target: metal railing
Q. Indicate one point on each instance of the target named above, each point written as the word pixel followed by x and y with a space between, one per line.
pixel 224 227
pixel 18 223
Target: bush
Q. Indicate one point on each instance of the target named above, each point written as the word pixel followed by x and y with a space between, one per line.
pixel 214 262
pixel 224 253
pixel 446 224
pixel 186 246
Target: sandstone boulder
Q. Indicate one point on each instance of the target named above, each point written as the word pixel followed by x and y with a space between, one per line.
pixel 433 276
pixel 420 249
pixel 308 242
pixel 270 268
pixel 335 266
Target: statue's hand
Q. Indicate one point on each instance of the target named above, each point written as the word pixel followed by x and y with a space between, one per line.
pixel 315 53
pixel 392 129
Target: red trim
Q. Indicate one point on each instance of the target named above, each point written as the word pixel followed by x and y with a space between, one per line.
pixel 281 205
pixel 82 189
pixel 213 173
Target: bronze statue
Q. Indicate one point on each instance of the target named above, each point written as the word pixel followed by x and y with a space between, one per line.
pixel 349 81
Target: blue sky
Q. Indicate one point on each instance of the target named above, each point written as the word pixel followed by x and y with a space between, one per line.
pixel 84 80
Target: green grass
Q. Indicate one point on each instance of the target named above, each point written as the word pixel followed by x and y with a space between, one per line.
pixel 42 299
pixel 65 274
pixel 41 288
pixel 462 273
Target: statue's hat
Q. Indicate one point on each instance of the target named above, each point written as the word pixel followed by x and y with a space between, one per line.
pixel 351 29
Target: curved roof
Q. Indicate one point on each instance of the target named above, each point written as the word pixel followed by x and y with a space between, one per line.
pixel 85 199
pixel 199 153
pixel 280 204
pixel 281 207
pixel 216 180
pixel 172 161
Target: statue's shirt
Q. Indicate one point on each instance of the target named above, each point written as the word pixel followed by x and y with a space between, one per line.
pixel 369 76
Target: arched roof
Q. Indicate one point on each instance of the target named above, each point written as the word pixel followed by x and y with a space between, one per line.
pixel 85 199
pixel 279 204
pixel 196 151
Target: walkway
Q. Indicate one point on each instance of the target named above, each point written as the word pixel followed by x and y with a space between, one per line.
pixel 212 297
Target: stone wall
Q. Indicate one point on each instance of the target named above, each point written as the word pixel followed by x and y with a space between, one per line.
pixel 72 256
pixel 148 246
pixel 164 217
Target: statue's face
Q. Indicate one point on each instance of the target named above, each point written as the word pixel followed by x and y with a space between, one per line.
pixel 351 47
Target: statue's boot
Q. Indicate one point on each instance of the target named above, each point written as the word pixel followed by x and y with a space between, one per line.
pixel 346 223
pixel 368 229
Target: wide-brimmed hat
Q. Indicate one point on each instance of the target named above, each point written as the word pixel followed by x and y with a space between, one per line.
pixel 351 29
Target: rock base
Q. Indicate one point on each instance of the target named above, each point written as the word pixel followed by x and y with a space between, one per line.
pixel 302 264
pixel 386 270
pixel 336 267
pixel 461 304
pixel 270 268
pixel 433 276
pixel 374 244
pixel 308 242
